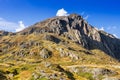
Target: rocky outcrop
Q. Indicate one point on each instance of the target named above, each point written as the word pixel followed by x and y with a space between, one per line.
pixel 51 38
pixel 96 73
pixel 111 78
pixel 4 33
pixel 45 53
pixel 70 54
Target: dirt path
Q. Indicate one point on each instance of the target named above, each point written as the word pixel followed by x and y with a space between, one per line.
pixel 93 65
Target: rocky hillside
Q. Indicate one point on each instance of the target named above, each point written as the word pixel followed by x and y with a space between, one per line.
pixel 59 48
pixel 75 28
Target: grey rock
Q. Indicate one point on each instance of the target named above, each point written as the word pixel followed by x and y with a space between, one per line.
pixel 45 53
pixel 111 78
pixel 36 76
pixel 47 64
pixel 5 33
pixel 101 71
pixel 51 38
pixel 62 78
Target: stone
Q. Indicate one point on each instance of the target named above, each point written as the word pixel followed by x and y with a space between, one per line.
pixel 101 71
pixel 111 78
pixel 45 53
pixel 35 75
pixel 47 64
pixel 51 38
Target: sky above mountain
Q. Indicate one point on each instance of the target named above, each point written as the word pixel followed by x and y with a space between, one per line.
pixel 16 15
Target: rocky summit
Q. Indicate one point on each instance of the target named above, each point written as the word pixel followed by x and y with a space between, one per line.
pixel 59 48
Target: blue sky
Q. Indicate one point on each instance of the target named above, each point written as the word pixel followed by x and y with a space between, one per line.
pixel 19 13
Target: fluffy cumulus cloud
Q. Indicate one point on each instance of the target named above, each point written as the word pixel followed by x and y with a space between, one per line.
pixel 62 12
pixel 21 26
pixel 11 26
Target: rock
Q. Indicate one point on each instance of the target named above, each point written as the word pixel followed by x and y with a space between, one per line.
pixel 70 54
pixel 22 46
pixel 95 72
pixel 62 78
pixel 74 56
pixel 102 71
pixel 86 52
pixel 35 76
pixel 64 54
pixel 56 67
pixel 5 33
pixel 53 76
pixel 111 78
pixel 11 75
pixel 45 53
pixel 47 64
pixel 37 44
pixel 31 43
pixel 51 38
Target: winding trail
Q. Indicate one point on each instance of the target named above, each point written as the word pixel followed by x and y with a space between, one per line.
pixel 93 65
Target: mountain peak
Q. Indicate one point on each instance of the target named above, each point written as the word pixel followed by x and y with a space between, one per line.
pixel 59 46
pixel 74 15
pixel 75 28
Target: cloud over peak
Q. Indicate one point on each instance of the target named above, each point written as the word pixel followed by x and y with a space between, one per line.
pixel 62 12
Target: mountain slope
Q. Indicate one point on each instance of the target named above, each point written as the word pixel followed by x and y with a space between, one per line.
pixel 77 29
pixel 59 48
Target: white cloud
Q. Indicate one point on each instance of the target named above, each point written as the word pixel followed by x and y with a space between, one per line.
pixel 10 26
pixel 21 26
pixel 62 12
pixel 86 17
pixel 7 25
pixel 102 28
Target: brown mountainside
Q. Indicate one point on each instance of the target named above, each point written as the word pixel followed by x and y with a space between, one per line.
pixel 75 28
pixel 59 48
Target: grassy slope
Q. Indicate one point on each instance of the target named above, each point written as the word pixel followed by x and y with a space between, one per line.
pixel 23 67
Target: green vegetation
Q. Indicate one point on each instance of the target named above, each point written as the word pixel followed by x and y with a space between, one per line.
pixel 87 75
